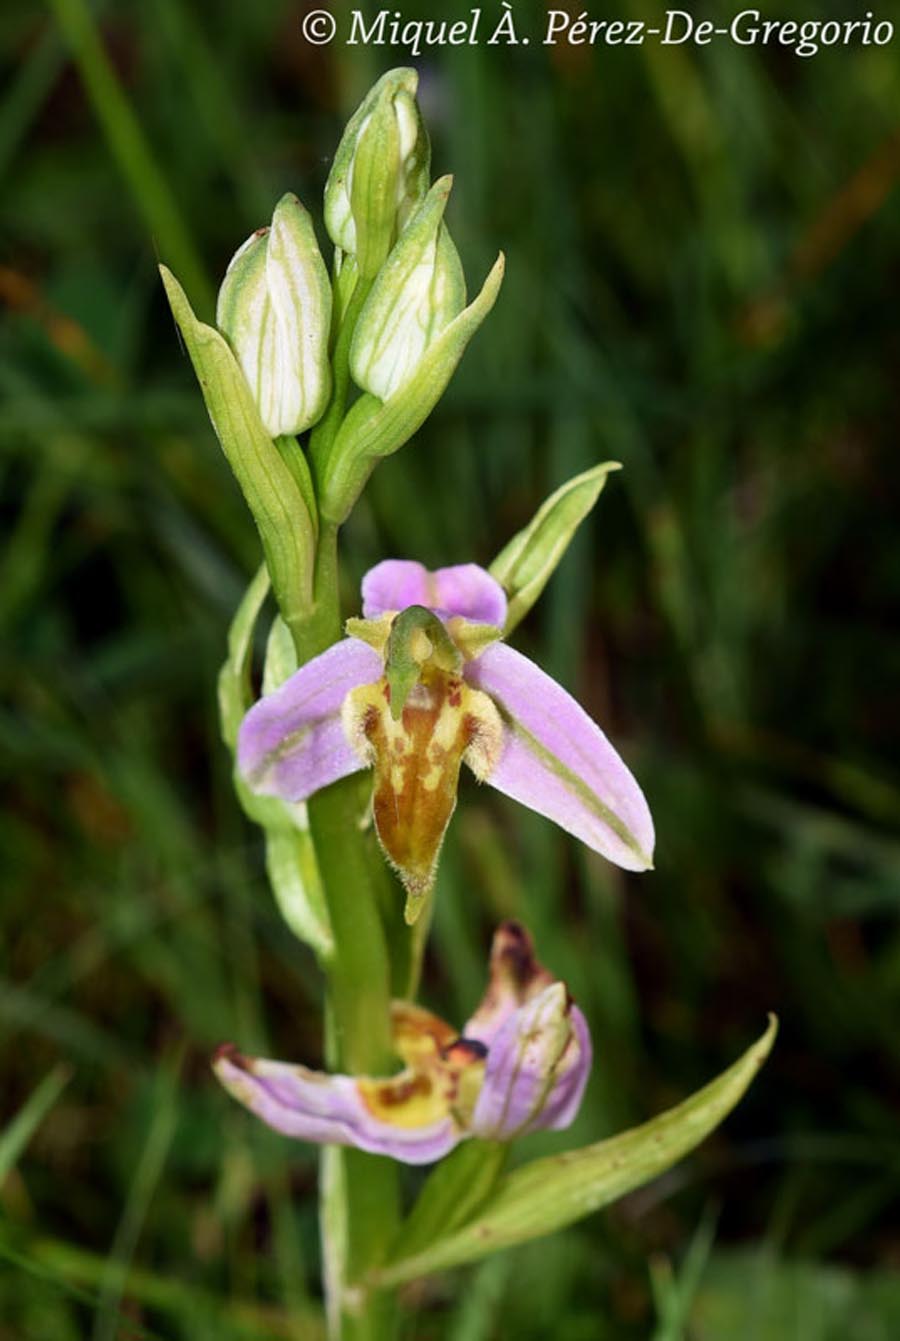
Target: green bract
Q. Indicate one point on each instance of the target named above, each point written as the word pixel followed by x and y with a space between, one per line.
pixel 286 528
pixel 524 566
pixel 380 171
pixel 549 1193
pixel 418 292
pixel 290 855
pixel 275 311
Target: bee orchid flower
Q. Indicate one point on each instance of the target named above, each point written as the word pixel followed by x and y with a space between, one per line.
pixel 521 1063
pixel 422 684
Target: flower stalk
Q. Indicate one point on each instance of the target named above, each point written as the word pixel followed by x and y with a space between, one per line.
pixel 359 1192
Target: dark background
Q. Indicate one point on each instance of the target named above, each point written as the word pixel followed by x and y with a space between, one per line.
pixel 703 261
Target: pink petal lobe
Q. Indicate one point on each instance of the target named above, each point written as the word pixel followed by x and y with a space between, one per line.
pixel 557 761
pixel 291 743
pixel 463 589
pixel 326 1110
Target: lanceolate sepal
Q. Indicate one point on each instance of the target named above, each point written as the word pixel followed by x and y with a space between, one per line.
pixel 286 528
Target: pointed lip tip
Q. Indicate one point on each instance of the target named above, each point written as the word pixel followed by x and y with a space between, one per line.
pixel 412 909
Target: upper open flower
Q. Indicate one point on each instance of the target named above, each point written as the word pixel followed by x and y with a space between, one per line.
pixel 422 685
pixel 521 1063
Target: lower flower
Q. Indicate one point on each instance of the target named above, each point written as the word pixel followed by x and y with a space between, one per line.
pixel 521 1063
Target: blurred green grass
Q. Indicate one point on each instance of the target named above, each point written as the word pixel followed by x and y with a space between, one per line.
pixel 703 252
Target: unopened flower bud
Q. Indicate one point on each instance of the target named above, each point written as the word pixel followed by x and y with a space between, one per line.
pixel 380 172
pixel 275 311
pixel 418 292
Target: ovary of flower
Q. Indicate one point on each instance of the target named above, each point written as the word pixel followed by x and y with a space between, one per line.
pixel 422 685
pixel 520 1064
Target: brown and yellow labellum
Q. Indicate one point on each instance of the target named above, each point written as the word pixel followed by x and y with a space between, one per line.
pixel 443 1072
pixel 416 761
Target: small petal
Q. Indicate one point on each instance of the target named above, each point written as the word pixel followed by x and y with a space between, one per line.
pixel 331 1110
pixel 463 589
pixel 558 762
pixel 291 742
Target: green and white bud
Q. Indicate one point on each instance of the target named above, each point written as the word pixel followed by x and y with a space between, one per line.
pixel 374 428
pixel 380 172
pixel 282 512
pixel 418 292
pixel 275 311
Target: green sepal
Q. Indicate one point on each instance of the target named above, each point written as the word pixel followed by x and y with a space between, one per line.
pixel 548 1194
pixel 453 1193
pixel 282 517
pixel 290 854
pixel 374 428
pixel 524 566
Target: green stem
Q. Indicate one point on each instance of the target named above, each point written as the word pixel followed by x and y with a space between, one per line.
pixel 360 1194
pixel 325 432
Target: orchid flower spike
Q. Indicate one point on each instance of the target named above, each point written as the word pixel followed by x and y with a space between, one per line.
pixel 421 685
pixel 521 1063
